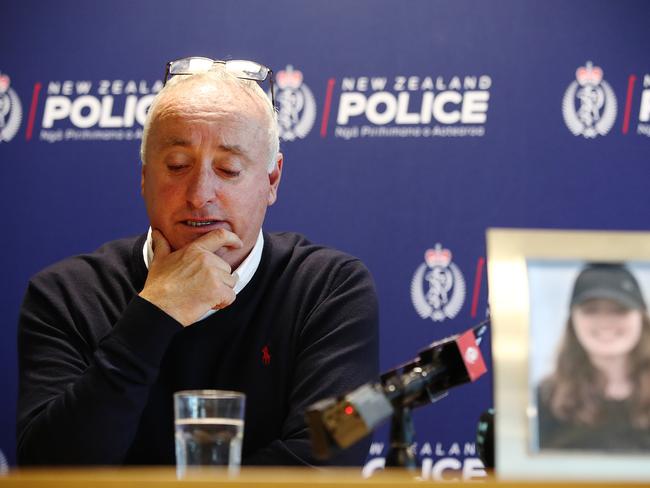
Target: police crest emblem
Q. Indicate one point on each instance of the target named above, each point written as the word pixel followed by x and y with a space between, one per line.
pixel 11 112
pixel 596 103
pixel 444 283
pixel 296 105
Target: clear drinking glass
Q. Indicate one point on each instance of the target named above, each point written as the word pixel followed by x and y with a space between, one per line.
pixel 209 429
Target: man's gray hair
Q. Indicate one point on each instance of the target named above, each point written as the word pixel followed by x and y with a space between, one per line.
pixel 222 78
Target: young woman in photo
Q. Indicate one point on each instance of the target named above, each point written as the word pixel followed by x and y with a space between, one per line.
pixel 598 398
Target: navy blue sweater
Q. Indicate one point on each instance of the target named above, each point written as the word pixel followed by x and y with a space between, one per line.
pixel 98 364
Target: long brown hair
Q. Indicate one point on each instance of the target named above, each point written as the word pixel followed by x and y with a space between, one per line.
pixel 576 391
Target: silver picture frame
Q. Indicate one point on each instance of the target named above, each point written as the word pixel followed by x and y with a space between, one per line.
pixel 531 272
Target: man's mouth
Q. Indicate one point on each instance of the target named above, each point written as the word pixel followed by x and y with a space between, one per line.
pixel 201 223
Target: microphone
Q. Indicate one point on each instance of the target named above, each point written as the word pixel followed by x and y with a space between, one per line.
pixel 4 465
pixel 338 422
pixel 485 438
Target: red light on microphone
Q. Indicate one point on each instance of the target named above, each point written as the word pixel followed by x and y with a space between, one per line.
pixel 349 410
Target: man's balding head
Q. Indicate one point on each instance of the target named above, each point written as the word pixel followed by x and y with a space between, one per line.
pixel 217 91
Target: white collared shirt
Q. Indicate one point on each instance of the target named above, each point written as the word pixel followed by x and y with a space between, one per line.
pixel 244 273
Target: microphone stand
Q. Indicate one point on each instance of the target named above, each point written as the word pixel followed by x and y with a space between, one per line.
pixel 402 436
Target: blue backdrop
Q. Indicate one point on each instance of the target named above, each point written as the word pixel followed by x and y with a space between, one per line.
pixel 406 126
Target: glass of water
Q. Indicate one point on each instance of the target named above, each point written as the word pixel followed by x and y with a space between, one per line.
pixel 209 429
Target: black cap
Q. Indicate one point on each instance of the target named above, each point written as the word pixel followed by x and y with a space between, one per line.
pixel 607 280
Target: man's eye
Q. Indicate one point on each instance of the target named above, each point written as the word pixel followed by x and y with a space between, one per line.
pixel 231 173
pixel 176 167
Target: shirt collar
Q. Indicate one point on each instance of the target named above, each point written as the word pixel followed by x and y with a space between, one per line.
pixel 244 272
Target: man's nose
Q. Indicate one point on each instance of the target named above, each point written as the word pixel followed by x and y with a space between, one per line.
pixel 202 187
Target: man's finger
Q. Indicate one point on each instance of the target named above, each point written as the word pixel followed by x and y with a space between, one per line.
pixel 227 278
pixel 160 245
pixel 218 238
pixel 231 279
pixel 225 301
pixel 220 264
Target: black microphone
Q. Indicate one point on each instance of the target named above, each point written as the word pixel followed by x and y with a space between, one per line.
pixel 485 438
pixel 339 422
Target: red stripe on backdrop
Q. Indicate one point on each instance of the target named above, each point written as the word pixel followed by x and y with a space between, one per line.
pixel 326 109
pixel 477 284
pixel 32 111
pixel 628 103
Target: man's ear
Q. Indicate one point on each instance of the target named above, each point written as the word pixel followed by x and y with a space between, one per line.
pixel 144 167
pixel 274 179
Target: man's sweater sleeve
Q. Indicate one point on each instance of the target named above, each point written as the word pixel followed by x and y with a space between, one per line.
pixel 339 351
pixel 80 403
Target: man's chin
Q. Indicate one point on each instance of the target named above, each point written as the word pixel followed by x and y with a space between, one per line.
pixel 233 257
pixel 186 235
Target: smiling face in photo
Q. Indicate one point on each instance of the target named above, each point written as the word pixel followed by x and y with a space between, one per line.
pixel 606 328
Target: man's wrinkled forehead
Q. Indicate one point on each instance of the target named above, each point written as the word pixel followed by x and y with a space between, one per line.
pixel 205 97
pixel 204 115
pixel 182 141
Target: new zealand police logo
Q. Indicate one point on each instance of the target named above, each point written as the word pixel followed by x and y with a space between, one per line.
pixel 596 111
pixel 11 112
pixel 296 105
pixel 444 283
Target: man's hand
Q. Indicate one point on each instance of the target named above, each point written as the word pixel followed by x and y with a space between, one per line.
pixel 189 282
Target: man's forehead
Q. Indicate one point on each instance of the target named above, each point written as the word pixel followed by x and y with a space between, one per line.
pixel 190 114
pixel 187 118
pixel 208 95
pixel 176 140
pixel 237 137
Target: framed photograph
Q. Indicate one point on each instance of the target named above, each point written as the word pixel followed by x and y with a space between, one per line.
pixel 571 352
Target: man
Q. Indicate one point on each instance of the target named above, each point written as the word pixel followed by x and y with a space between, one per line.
pixel 105 339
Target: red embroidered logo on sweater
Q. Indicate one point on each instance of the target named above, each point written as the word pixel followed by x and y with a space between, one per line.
pixel 266 355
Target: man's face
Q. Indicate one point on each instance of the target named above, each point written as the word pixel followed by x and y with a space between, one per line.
pixel 206 168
